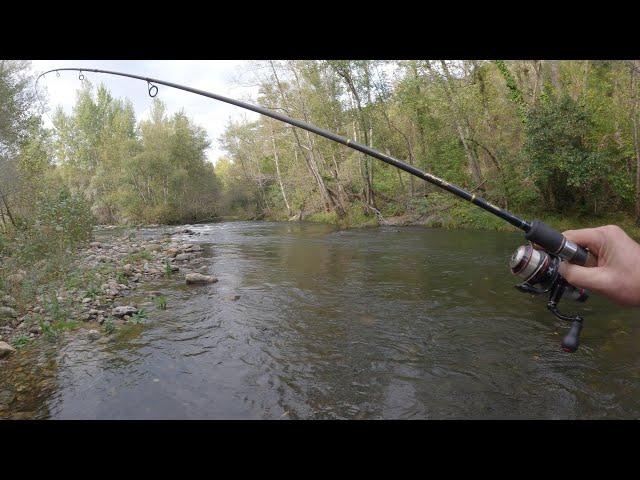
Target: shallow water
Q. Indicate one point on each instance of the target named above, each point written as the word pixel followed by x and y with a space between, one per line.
pixel 366 324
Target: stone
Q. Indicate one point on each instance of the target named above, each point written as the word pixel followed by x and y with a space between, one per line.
pixel 16 278
pixel 9 301
pixel 198 278
pixel 95 245
pixel 6 350
pixel 35 329
pixel 7 312
pixel 183 257
pixel 124 310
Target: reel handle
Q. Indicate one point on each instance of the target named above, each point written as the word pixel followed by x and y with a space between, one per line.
pixel 554 242
pixel 571 341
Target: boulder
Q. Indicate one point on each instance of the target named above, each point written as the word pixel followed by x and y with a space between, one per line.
pixel 198 278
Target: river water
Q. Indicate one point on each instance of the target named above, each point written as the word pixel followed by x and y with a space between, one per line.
pixel 383 323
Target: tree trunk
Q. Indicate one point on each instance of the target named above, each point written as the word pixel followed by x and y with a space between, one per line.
pixel 275 156
pixel 462 127
pixel 307 151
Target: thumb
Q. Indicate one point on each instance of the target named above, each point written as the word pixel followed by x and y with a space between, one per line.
pixel 594 278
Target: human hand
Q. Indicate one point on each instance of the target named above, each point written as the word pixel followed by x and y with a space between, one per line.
pixel 617 275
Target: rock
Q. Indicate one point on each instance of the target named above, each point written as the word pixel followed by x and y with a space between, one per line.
pixel 7 312
pixel 233 298
pixel 35 329
pixel 154 248
pixel 6 349
pixel 95 245
pixel 124 310
pixel 93 335
pixel 9 301
pixel 198 278
pixel 183 257
pixel 172 252
pixel 17 277
pixel 86 300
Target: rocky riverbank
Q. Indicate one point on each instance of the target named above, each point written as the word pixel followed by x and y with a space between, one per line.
pixel 94 296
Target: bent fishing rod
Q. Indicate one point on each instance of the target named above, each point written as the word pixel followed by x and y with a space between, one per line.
pixel 537 263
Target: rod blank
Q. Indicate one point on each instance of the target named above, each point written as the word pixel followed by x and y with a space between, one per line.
pixel 457 191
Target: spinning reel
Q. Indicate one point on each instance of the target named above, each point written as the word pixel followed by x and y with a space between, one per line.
pixel 539 269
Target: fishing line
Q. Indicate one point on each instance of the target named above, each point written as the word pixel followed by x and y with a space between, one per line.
pixel 537 266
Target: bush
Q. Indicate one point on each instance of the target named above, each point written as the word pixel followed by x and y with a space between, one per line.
pixel 61 221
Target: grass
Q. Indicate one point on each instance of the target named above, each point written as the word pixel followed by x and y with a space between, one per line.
pixel 138 317
pixel 161 302
pixel 109 326
pixel 20 341
pixel 138 257
pixel 167 268
pixel 121 278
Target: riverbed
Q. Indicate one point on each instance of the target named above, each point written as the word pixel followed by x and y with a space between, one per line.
pixel 311 322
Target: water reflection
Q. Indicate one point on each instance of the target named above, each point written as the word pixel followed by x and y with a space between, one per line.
pixel 372 323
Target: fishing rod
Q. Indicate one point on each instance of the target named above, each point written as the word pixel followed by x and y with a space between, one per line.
pixel 536 263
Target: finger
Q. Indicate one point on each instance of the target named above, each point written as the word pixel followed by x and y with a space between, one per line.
pixel 595 278
pixel 592 238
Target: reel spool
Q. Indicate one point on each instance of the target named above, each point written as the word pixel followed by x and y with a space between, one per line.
pixel 539 270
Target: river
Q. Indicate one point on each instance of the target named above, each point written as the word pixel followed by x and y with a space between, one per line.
pixel 381 323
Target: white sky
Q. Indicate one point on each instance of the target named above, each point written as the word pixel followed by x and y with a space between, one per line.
pixel 225 77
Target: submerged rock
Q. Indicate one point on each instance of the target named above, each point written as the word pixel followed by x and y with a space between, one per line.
pixel 93 335
pixel 124 310
pixel 198 278
pixel 6 349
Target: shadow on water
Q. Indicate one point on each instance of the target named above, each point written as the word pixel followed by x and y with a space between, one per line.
pixel 373 323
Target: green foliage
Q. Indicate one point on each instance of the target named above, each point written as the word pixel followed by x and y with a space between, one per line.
pixel 121 278
pixel 20 341
pixel 566 168
pixel 138 317
pixel 168 269
pixel 138 257
pixel 60 221
pixel 161 302
pixel 109 326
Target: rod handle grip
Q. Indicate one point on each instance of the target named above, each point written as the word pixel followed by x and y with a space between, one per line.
pixel 554 242
pixel 584 257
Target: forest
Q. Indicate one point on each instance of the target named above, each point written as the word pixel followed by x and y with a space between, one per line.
pixel 553 139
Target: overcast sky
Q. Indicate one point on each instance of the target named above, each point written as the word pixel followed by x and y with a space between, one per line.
pixel 226 77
